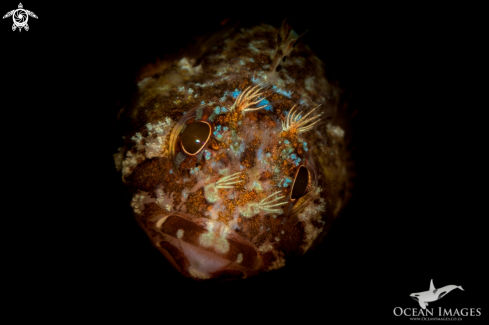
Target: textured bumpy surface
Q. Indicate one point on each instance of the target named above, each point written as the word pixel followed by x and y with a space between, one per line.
pixel 226 211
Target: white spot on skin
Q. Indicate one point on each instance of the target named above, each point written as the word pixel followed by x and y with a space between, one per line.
pixel 278 263
pixel 216 237
pixel 309 84
pixel 337 131
pixel 184 64
pixel 211 193
pixel 240 258
pixel 197 274
pixel 221 245
pixel 164 201
pixel 137 203
pixel 180 233
pixel 265 247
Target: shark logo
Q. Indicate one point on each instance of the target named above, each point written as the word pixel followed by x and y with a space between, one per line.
pixel 433 294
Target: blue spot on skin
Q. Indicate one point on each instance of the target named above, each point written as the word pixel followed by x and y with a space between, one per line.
pixel 203 103
pixel 235 93
pixel 293 156
pixel 225 128
pixel 286 182
pixel 185 193
pixel 268 108
pixel 286 142
pixel 171 171
pixel 282 92
pixel 259 154
pixel 223 110
pixel 239 122
pixel 217 110
pixel 207 155
pixel 216 132
pixel 305 146
pixel 253 78
pixel 224 96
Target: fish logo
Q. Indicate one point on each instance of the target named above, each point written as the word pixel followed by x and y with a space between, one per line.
pixel 433 294
pixel 20 17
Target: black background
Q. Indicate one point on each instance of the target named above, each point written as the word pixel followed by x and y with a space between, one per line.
pixel 72 248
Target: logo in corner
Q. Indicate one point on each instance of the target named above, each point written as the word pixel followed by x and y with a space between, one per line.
pixel 20 17
pixel 433 294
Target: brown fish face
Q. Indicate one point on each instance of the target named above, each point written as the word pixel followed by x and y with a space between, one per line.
pixel 235 182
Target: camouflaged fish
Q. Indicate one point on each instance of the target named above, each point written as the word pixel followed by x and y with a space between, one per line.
pixel 233 158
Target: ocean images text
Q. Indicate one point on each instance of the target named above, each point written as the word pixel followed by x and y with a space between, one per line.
pixel 399 311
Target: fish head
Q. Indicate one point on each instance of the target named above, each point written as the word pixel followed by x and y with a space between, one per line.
pixel 228 175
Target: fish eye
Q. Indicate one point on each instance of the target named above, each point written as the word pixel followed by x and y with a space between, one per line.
pixel 195 136
pixel 301 183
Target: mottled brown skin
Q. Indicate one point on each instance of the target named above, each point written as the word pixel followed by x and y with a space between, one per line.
pixel 176 198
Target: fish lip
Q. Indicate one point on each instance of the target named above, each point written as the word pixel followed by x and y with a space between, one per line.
pixel 202 222
pixel 250 262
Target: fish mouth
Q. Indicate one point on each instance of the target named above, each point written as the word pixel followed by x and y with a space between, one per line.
pixel 205 249
pixel 415 298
